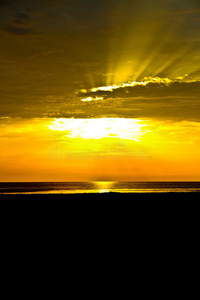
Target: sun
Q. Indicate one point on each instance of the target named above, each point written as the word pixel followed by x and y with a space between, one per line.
pixel 132 129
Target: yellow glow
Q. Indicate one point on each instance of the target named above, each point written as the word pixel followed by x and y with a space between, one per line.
pixel 83 91
pixel 103 186
pixel 92 99
pixel 117 86
pixel 100 128
pixel 110 88
pixel 74 150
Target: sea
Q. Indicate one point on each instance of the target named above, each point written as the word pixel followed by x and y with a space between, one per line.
pixel 97 187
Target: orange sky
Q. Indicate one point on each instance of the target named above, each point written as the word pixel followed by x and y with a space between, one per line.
pixel 157 151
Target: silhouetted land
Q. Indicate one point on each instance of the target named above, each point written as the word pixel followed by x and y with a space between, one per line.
pixel 86 213
pixel 104 196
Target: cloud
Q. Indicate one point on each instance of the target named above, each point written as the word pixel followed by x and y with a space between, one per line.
pixel 160 88
pixel 166 100
pixel 21 19
pixel 175 101
pixel 20 24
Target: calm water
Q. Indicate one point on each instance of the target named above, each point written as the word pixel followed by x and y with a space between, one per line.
pixel 97 187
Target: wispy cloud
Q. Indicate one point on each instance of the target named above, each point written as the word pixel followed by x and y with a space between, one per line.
pixel 148 88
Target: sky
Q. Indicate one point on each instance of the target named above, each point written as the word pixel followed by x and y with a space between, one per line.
pixel 118 79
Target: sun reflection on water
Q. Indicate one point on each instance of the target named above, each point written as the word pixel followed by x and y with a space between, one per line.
pixel 103 186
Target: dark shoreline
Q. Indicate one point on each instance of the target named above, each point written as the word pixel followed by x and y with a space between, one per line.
pixel 105 209
pixel 102 196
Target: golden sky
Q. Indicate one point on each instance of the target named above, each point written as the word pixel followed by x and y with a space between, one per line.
pixel 99 90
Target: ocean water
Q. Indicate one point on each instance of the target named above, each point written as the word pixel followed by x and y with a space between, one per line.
pixel 97 187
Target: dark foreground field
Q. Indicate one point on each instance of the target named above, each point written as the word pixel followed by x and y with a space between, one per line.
pixel 104 196
pixel 93 212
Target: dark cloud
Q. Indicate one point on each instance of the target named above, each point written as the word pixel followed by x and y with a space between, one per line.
pixel 21 19
pixel 19 23
pixel 18 30
pixel 157 90
pixel 176 102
